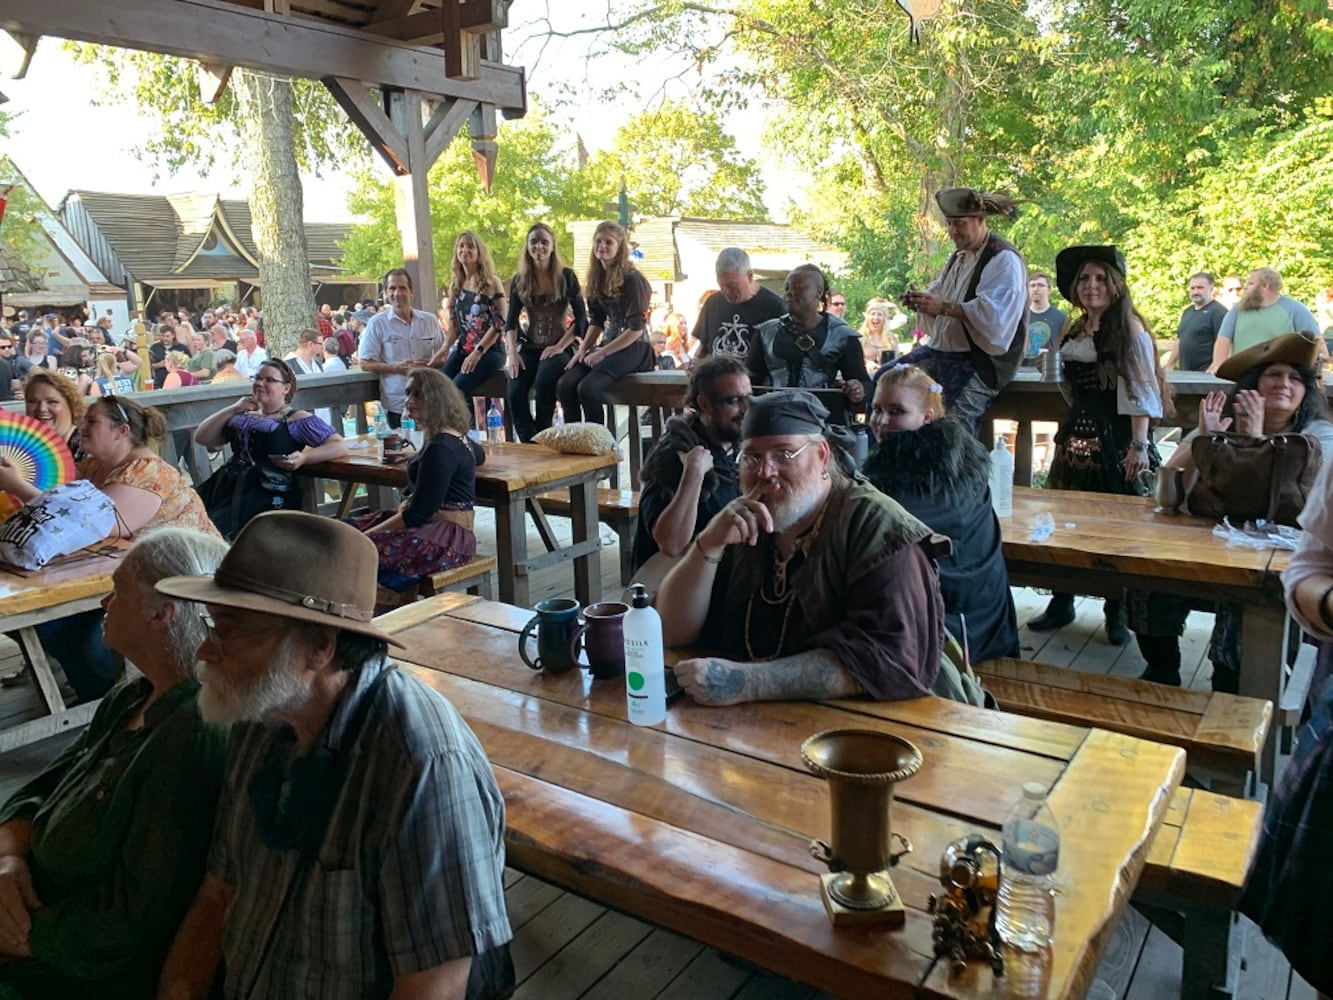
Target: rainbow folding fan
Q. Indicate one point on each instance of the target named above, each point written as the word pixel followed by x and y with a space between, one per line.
pixel 35 450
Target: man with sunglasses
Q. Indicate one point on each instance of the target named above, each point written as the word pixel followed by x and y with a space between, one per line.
pixel 809 585
pixel 691 472
pixel 7 372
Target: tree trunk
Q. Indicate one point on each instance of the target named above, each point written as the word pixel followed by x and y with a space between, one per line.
pixel 276 209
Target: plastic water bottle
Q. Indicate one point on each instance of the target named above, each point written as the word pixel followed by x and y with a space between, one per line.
pixel 495 424
pixel 1025 904
pixel 645 669
pixel 381 432
pixel 409 429
pixel 559 419
pixel 1002 479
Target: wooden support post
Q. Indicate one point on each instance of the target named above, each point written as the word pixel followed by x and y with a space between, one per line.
pixel 412 196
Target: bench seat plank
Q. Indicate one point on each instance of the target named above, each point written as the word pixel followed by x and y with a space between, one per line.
pixel 1222 734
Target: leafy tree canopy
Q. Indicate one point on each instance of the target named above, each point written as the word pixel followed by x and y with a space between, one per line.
pixel 189 131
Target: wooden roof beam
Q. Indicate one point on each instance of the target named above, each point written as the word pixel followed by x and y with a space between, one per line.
pixel 222 33
pixel 426 28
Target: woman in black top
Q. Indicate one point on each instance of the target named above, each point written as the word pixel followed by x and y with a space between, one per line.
pixel 617 342
pixel 432 529
pixel 472 350
pixel 539 353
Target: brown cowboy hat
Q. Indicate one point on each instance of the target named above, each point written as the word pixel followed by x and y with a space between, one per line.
pixel 1070 259
pixel 962 203
pixel 1289 348
pixel 294 565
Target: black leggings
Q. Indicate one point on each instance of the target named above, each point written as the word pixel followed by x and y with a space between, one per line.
pixel 544 375
pixel 581 388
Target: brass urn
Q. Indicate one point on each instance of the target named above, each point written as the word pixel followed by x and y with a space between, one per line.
pixel 861 767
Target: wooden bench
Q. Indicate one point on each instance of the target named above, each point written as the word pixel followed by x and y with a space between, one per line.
pixel 1222 734
pixel 617 509
pixel 1192 881
pixel 475 577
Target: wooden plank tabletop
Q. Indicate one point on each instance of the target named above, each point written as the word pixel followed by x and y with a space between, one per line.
pixel 702 824
pixel 1124 536
pixel 509 468
pixel 86 573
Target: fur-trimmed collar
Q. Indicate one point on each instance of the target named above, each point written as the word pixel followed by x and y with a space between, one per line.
pixel 942 460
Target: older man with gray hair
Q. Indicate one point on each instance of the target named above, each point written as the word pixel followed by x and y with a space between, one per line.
pixel 728 321
pixel 359 845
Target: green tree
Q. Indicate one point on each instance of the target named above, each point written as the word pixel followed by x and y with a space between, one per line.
pixel 21 229
pixel 264 127
pixel 679 160
pixel 537 179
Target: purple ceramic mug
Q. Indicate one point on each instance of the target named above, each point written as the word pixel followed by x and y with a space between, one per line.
pixel 603 636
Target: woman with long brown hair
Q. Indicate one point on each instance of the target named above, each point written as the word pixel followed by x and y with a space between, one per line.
pixel 473 350
pixel 539 352
pixel 617 340
pixel 432 529
pixel 1115 387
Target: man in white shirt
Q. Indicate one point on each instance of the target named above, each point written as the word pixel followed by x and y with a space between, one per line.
pixel 398 340
pixel 975 312
pixel 249 355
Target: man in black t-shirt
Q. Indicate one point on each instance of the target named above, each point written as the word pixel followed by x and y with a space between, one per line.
pixel 1197 331
pixel 728 320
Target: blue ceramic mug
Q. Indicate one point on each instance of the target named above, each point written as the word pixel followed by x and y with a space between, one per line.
pixel 556 622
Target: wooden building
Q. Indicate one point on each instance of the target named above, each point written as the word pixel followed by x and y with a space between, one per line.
pixel 169 251
pixel 677 254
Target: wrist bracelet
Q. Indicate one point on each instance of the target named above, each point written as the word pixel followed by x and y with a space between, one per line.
pixel 706 557
pixel 1140 445
pixel 1323 610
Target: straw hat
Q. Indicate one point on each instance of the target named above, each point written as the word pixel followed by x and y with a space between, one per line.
pixel 1289 348
pixel 294 565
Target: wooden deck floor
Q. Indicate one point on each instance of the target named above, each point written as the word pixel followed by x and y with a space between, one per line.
pixel 568 947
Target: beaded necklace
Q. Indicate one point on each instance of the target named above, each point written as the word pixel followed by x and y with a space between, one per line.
pixel 782 597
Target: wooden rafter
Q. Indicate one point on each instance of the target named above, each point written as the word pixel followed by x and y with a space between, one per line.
pixel 424 28
pixel 228 34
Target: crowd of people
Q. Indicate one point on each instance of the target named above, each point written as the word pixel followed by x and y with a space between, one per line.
pixel 804 565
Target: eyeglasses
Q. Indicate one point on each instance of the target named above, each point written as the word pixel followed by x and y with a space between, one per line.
pixel 6 347
pixel 269 380
pixel 782 458
pixel 837 302
pixel 217 639
pixel 729 400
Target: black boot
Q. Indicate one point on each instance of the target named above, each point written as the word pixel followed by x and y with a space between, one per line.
pixel 1117 632
pixel 1163 655
pixel 1226 680
pixel 1059 613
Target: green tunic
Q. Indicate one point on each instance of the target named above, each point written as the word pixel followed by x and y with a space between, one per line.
pixel 121 826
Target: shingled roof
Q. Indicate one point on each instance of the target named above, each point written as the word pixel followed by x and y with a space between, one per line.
pixel 190 235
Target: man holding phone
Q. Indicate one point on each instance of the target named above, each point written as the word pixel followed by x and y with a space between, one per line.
pixel 975 312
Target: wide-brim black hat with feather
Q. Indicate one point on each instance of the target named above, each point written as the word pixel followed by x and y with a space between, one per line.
pixel 1070 259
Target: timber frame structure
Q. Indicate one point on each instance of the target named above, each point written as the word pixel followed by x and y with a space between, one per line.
pixel 409 73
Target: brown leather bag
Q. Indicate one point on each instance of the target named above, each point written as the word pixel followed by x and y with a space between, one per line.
pixel 1248 478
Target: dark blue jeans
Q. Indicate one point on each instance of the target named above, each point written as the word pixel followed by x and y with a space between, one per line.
pixel 489 363
pixel 77 643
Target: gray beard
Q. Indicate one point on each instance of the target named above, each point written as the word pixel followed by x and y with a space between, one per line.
pixel 794 505
pixel 224 701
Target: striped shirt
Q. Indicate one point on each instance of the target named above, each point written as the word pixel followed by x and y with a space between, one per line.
pixel 409 873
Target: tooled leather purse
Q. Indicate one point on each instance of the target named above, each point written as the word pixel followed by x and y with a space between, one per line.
pixel 1248 478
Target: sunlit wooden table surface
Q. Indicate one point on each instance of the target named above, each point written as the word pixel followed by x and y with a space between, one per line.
pixel 1104 545
pixel 702 824
pixel 512 475
pixel 28 598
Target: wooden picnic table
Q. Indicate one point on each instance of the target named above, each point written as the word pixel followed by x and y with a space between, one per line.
pixel 29 598
pixel 512 476
pixel 1105 544
pixel 702 824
